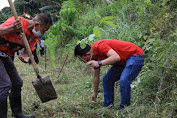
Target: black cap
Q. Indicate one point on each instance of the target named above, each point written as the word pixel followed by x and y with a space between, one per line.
pixel 81 52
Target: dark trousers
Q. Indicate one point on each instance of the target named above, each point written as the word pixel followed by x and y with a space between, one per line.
pixel 42 51
pixel 10 81
pixel 35 57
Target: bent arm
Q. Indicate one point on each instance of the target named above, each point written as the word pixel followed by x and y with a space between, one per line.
pixel 16 26
pixel 6 30
pixel 113 58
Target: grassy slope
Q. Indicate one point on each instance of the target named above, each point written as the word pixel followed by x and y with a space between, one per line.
pixel 74 89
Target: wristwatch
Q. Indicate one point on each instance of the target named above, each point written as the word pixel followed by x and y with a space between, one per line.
pixel 100 63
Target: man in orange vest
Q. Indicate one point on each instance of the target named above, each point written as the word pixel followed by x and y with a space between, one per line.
pixel 126 59
pixel 10 42
pixel 34 51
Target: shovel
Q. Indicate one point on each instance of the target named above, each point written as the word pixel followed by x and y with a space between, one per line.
pixel 42 85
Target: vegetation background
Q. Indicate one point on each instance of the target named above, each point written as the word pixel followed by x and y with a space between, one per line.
pixel 150 24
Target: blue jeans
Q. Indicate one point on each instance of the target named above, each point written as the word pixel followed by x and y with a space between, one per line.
pixel 126 73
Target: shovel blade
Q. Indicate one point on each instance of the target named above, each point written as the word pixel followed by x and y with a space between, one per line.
pixel 44 89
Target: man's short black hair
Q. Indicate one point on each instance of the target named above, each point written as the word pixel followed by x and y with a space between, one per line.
pixel 44 18
pixel 81 52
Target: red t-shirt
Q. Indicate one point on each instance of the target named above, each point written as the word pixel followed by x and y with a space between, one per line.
pixel 123 49
pixel 16 38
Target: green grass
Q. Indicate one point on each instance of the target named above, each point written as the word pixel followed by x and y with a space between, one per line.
pixel 74 89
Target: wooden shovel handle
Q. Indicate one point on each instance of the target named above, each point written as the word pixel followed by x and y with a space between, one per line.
pixel 25 40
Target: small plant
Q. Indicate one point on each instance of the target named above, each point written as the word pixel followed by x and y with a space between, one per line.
pixel 97 31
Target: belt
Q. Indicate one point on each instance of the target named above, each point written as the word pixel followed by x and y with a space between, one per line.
pixel 2 54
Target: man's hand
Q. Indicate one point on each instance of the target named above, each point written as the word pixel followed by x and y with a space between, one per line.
pixel 24 59
pixel 94 96
pixel 17 25
pixel 93 63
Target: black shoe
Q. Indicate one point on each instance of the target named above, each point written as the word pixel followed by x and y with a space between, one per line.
pixel 15 103
pixel 22 115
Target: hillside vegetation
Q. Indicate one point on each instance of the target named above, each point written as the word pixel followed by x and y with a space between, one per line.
pixel 150 24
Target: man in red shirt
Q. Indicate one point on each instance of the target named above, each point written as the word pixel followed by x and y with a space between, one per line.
pixel 10 42
pixel 126 59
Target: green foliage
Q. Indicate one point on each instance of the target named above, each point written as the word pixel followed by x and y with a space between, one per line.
pixel 46 8
pixel 2 17
pixel 6 11
pixel 97 31
pixel 68 13
pixel 151 24
pixel 52 44
pixel 106 20
pixel 27 6
pixel 87 40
